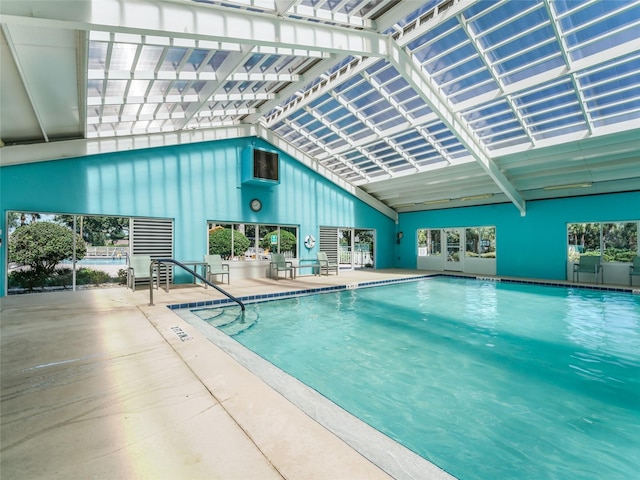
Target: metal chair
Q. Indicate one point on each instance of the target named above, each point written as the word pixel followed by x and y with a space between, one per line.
pixel 139 269
pixel 279 264
pixel 587 264
pixel 634 269
pixel 325 264
pixel 215 267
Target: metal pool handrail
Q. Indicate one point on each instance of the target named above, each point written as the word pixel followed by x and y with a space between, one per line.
pixel 159 261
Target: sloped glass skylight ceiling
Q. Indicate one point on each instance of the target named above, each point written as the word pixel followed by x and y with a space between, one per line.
pixel 589 28
pixel 612 91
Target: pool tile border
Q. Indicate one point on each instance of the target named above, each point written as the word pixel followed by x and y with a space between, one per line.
pixel 223 302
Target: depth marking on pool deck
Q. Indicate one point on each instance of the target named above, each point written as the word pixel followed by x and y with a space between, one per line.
pixel 182 335
pixel 490 279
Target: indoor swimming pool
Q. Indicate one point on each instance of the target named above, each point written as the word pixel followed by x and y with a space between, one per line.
pixel 484 379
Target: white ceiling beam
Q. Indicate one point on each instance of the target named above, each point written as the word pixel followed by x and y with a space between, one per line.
pixel 23 78
pixel 230 65
pixel 318 69
pixel 361 64
pixel 297 154
pixel 40 152
pixel 318 143
pixel 314 13
pixel 430 93
pixel 283 6
pixel 348 140
pixel 420 27
pixel 193 22
pixel 477 45
pixel 326 86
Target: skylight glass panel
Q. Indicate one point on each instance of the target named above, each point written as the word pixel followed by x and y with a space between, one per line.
pixel 253 60
pixel 115 88
pixel 217 60
pixel 349 124
pixel 173 58
pixel 464 53
pixel 550 131
pixel 138 88
pixel 505 13
pixel 482 81
pixel 533 39
pixel 149 57
pixel 122 55
pixel 426 7
pixel 526 62
pixel 384 75
pixel 94 88
pixel 482 113
pixel 619 69
pixel 148 109
pixel 370 6
pixel 159 88
pixel 196 58
pixel 516 26
pixel 615 84
pixel 597 35
pixel 361 102
pixel 97 55
pixel 461 71
pixel 632 116
pixel 621 109
pixel 431 34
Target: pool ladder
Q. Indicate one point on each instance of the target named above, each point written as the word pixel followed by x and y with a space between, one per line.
pixel 160 261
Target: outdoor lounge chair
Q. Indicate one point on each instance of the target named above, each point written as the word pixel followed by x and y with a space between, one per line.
pixel 634 269
pixel 325 264
pixel 587 264
pixel 215 267
pixel 139 269
pixel 279 264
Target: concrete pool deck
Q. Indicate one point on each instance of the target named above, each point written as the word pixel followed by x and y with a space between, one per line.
pixel 96 384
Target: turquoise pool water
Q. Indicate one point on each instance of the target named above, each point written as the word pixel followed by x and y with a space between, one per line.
pixel 486 380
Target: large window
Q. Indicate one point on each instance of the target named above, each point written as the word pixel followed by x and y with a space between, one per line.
pixel 250 242
pixel 614 241
pixel 50 252
pixel 480 242
pixel 429 242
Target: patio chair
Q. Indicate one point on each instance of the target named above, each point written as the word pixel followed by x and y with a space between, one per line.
pixel 215 267
pixel 279 264
pixel 139 269
pixel 325 264
pixel 634 269
pixel 587 264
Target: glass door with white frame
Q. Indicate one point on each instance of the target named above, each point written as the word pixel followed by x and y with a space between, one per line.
pixel 453 241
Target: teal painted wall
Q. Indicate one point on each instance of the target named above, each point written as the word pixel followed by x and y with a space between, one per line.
pixel 531 246
pixel 191 184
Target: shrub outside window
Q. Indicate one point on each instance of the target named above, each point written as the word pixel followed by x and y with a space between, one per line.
pixel 614 241
pixel 429 242
pixel 249 242
pixel 480 242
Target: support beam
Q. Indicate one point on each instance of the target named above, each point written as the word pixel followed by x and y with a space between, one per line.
pixel 297 154
pixel 40 152
pixel 27 88
pixel 191 21
pixel 428 90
